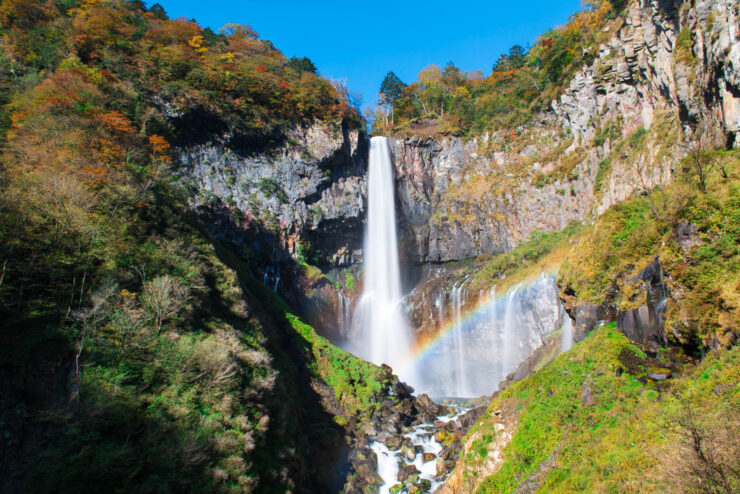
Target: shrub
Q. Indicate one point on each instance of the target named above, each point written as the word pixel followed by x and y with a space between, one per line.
pixel 163 298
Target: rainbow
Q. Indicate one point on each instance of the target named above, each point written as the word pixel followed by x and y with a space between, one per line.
pixel 426 349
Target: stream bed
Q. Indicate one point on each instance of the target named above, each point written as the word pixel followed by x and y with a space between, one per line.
pixel 416 457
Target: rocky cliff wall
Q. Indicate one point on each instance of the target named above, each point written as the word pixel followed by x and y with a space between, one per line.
pixel 671 69
pixel 304 198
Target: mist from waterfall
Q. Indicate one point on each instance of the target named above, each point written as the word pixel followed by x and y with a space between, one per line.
pixel 489 337
pixel 382 335
pixel 460 359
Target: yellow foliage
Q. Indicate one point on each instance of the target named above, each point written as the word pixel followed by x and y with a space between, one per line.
pixel 196 42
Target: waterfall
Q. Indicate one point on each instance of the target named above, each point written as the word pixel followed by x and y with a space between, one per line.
pixel 440 303
pixel 344 312
pixel 384 336
pixel 460 371
pixel 509 340
pixel 566 337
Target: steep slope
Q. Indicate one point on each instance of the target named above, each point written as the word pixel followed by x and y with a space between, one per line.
pixel 662 83
pixel 600 419
pixel 651 398
pixel 139 354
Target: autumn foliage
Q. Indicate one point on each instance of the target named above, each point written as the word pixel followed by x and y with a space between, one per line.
pixel 521 83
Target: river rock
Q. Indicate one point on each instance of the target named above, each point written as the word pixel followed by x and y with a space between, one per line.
pixel 394 442
pixel 408 474
pixel 408 452
pixel 423 485
pixel 427 457
pixel 444 467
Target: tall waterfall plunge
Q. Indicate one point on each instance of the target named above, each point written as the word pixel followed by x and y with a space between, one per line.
pixel 383 335
pixel 479 345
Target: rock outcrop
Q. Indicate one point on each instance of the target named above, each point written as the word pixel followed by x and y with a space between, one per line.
pixel 304 197
pixel 459 199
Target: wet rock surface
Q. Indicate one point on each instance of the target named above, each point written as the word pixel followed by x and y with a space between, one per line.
pixel 419 441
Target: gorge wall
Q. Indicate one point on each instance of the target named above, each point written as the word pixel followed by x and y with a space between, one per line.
pixel 672 69
pixel 304 198
pixel 670 76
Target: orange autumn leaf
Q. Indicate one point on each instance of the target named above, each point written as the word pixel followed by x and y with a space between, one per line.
pixel 117 121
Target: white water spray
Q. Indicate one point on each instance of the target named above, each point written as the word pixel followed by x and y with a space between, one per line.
pixel 460 370
pixel 384 336
pixel 510 352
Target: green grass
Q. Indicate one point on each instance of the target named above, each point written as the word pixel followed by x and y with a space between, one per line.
pixel 542 252
pixel 356 383
pixel 614 445
pixel 703 281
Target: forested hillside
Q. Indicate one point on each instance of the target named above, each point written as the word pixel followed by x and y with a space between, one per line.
pixel 137 354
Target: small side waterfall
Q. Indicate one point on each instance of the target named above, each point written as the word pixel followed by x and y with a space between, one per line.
pixel 509 339
pixel 566 337
pixel 460 370
pixel 383 335
pixel 344 312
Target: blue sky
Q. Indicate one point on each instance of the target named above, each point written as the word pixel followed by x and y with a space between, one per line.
pixel 361 42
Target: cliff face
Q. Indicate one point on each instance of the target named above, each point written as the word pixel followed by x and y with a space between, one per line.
pixel 671 69
pixel 460 199
pixel 670 75
pixel 304 196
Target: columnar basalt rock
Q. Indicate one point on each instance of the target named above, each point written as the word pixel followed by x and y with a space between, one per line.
pixel 306 195
pixel 459 199
pixel 670 67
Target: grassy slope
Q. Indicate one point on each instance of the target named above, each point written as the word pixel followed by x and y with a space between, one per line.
pixel 636 435
pixel 702 282
pixel 625 442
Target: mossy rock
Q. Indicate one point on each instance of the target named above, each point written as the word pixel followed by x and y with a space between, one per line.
pixel 396 488
pixel 423 485
pixel 658 373
pixel 394 443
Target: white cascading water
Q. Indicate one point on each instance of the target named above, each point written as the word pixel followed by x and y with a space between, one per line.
pixel 384 336
pixel 344 312
pixel 460 370
pixel 422 440
pixel 509 337
pixel 566 337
